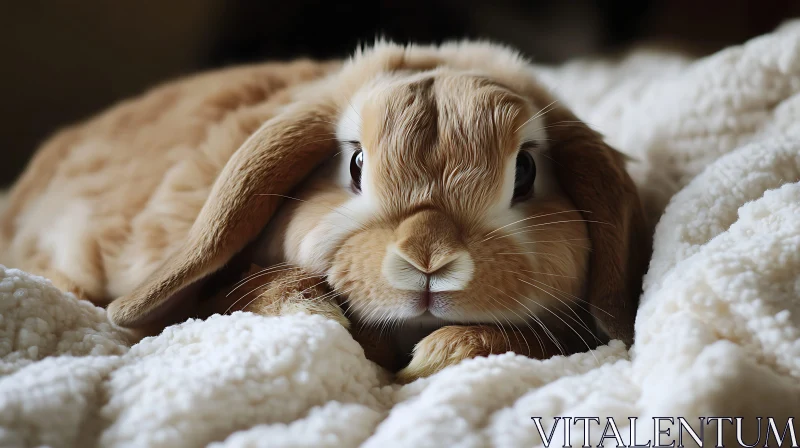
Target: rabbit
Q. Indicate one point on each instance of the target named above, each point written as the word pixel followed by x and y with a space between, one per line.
pixel 437 193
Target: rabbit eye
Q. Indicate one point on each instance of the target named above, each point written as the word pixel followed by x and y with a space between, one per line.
pixel 356 163
pixel 525 175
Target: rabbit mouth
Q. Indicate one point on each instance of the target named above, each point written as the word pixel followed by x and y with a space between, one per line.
pixel 433 305
pixel 434 309
pixel 427 317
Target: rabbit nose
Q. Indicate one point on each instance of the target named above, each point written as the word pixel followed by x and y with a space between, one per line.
pixel 448 274
pixel 428 256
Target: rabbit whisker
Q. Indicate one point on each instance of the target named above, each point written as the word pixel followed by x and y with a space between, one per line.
pixel 518 331
pixel 572 296
pixel 541 112
pixel 260 273
pixel 523 253
pixel 557 241
pixel 588 347
pixel 360 226
pixel 577 319
pixel 529 218
pixel 522 230
pixel 278 283
pixel 536 319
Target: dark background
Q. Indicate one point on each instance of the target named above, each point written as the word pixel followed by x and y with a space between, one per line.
pixel 63 61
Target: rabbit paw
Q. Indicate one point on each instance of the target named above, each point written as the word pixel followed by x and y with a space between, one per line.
pixel 284 292
pixel 448 346
pixel 325 308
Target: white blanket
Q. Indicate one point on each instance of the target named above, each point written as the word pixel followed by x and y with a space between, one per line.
pixel 716 334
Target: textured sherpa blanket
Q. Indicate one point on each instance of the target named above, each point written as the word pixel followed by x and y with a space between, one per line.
pixel 717 333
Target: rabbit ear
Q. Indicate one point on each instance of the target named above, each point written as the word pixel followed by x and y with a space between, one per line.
pixel 274 160
pixel 594 176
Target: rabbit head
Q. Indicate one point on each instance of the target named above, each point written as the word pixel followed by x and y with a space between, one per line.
pixel 426 184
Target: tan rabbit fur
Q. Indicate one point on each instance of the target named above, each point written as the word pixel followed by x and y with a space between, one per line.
pixel 103 203
pixel 430 243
